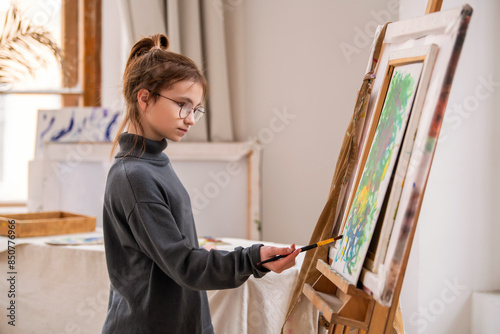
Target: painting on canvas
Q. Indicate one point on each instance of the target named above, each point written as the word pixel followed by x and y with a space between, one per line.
pixel 377 171
pixel 378 247
pixel 76 125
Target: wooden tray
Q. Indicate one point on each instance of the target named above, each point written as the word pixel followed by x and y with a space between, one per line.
pixel 46 223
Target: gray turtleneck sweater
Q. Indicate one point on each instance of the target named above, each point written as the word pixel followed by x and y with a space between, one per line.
pixel 157 270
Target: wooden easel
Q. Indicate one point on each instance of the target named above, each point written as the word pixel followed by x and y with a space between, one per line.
pixel 343 307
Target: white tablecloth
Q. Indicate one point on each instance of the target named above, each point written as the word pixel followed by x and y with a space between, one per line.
pixel 64 289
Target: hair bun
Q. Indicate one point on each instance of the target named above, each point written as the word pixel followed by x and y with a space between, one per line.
pixel 161 41
pixel 140 48
pixel 148 44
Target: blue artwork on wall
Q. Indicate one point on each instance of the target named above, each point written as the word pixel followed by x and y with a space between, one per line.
pixel 78 124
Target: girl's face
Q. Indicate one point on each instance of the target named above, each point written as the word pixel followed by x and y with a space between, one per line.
pixel 161 119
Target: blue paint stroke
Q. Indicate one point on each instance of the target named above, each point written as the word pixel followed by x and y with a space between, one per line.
pixel 51 123
pixel 63 132
pixel 110 125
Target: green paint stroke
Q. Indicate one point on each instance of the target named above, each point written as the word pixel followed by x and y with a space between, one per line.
pixel 365 209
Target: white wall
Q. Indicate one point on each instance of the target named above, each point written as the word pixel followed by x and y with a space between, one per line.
pixel 455 252
pixel 290 62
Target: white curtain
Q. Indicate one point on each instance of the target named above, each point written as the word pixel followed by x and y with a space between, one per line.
pixel 196 29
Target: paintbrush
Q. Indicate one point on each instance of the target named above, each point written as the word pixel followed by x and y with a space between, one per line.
pixel 303 249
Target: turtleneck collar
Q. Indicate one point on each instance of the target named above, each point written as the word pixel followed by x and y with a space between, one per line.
pixel 143 148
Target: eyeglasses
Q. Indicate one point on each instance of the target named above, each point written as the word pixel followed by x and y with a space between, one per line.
pixel 187 109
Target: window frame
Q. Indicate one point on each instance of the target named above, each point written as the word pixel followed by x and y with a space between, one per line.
pixel 82 37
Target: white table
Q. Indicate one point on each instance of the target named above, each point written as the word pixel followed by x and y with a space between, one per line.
pixel 64 289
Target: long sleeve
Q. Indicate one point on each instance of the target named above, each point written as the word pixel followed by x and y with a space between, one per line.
pixel 159 237
pixel 157 271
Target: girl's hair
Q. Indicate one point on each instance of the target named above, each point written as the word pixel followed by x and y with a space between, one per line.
pixel 151 66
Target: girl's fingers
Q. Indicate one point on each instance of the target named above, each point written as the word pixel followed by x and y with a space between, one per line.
pixel 286 262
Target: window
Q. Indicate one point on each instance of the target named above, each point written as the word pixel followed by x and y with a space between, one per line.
pixel 79 36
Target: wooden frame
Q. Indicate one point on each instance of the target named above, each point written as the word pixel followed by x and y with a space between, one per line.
pixel 81 37
pixel 70 45
pixel 426 55
pixel 90 14
pixel 361 228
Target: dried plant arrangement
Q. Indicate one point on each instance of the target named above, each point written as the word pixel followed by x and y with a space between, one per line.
pixel 22 46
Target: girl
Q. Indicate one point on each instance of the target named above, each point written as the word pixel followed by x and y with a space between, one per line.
pixel 157 270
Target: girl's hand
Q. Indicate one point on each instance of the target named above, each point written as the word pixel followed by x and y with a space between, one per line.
pixel 208 247
pixel 280 265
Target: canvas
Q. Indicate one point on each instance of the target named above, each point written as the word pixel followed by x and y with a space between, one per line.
pixel 426 56
pixel 377 171
pixel 76 124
